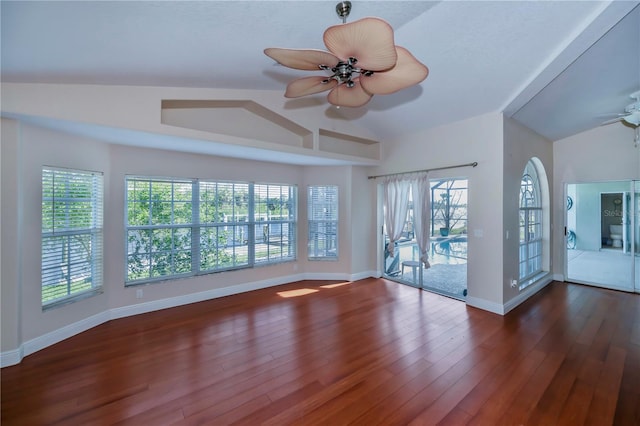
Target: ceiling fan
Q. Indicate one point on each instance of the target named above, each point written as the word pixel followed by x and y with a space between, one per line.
pixel 362 58
pixel 631 113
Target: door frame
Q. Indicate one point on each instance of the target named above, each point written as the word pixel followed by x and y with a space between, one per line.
pixel 630 217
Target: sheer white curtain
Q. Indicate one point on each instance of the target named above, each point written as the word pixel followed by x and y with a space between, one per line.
pixel 396 204
pixel 421 190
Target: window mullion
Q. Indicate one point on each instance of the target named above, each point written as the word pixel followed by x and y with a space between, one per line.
pixel 150 233
pixel 195 226
pixel 252 227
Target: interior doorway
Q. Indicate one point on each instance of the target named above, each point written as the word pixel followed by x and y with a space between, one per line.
pixel 603 234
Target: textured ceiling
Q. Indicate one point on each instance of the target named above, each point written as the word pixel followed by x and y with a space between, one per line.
pixel 523 57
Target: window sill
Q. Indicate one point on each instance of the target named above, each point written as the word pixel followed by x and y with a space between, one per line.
pixel 532 280
pixel 72 299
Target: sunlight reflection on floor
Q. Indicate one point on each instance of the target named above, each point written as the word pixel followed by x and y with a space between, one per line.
pixel 297 292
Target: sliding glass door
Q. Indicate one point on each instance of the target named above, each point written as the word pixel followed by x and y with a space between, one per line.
pixel 635 232
pixel 447 246
pixel 603 234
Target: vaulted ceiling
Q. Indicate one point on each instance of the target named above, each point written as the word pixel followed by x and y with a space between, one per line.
pixel 559 67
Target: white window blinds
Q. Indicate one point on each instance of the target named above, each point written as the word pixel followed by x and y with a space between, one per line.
pixel 71 234
pixel 323 222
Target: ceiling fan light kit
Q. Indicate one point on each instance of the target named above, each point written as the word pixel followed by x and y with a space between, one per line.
pixel 362 58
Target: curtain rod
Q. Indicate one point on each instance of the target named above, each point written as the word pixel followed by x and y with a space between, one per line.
pixel 475 163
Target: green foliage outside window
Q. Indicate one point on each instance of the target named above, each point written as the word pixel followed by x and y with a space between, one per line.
pixel 178 227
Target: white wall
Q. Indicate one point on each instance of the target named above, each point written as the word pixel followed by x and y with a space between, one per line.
pixel 356 245
pixel 134 113
pixel 339 176
pixel 602 154
pixel 10 238
pixel 362 223
pixel 26 148
pixel 501 147
pixel 520 145
pixel 478 139
pixel 44 148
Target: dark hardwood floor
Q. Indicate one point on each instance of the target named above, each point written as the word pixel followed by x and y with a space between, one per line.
pixel 366 353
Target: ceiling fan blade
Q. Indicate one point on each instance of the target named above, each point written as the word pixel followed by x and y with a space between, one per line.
pixel 613 120
pixel 345 96
pixel 308 86
pixel 369 40
pixel 301 59
pixel 407 72
pixel 612 114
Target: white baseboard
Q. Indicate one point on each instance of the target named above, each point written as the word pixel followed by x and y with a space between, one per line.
pixel 364 274
pixel 499 309
pixel 325 276
pixel 485 305
pixel 15 356
pixel 30 346
pixel 156 305
pixel 527 293
pixel 558 277
pixel 12 357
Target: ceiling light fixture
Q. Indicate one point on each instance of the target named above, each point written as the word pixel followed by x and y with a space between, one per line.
pixel 633 117
pixel 362 58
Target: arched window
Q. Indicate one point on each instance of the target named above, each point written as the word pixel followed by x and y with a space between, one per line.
pixel 531 224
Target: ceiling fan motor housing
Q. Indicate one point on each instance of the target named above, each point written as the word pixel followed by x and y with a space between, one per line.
pixel 343 9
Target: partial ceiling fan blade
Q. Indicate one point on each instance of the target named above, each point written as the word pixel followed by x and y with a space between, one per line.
pixel 369 40
pixel 613 120
pixel 407 72
pixel 301 59
pixel 345 96
pixel 308 86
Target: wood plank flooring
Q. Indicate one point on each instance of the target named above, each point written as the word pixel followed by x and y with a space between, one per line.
pixel 371 352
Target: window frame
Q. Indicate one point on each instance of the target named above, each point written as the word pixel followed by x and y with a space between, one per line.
pixel 243 233
pixel 151 228
pixel 318 225
pixel 217 224
pixel 276 224
pixel 73 226
pixel 530 222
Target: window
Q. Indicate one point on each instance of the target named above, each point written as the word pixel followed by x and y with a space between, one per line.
pixel 178 227
pixel 323 222
pixel 224 231
pixel 275 222
pixel 530 224
pixel 160 222
pixel 71 235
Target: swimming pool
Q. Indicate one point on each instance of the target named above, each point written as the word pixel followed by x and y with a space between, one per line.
pixel 450 251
